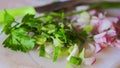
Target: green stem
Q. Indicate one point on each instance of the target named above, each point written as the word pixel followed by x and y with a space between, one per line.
pixel 98 5
pixel 105 5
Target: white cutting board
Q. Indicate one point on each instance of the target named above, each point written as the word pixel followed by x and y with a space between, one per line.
pixel 107 58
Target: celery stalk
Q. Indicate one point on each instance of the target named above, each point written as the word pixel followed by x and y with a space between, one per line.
pixel 17 12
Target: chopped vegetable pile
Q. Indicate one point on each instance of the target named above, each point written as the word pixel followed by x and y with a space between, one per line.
pixel 51 33
pixel 55 34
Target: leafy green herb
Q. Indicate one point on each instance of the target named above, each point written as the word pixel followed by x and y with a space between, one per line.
pixel 35 32
pixel 8 20
pixel 18 40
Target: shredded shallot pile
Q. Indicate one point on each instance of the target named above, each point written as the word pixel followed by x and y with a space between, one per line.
pixel 105 32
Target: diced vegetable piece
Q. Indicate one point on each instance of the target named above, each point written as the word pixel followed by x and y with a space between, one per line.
pixel 74 52
pixel 75 60
pixel 42 51
pixel 82 54
pixel 84 19
pixel 56 52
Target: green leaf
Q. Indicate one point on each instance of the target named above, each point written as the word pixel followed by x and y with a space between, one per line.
pixel 30 20
pixel 75 60
pixel 18 41
pixel 49 28
pixel 8 20
pixel 60 34
pixel 28 17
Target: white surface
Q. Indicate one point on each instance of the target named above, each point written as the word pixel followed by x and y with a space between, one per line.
pixel 11 59
pixel 108 58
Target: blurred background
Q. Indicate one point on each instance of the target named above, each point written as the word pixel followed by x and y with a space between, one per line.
pixel 5 4
pixel 20 3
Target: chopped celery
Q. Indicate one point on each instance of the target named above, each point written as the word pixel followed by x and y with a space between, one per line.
pixel 17 12
pixel 42 51
pixel 56 52
pixel 82 54
pixel 75 60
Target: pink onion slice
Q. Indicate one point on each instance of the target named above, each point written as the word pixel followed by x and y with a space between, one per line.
pixel 104 25
pixel 98 48
pixel 116 43
pixel 100 38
